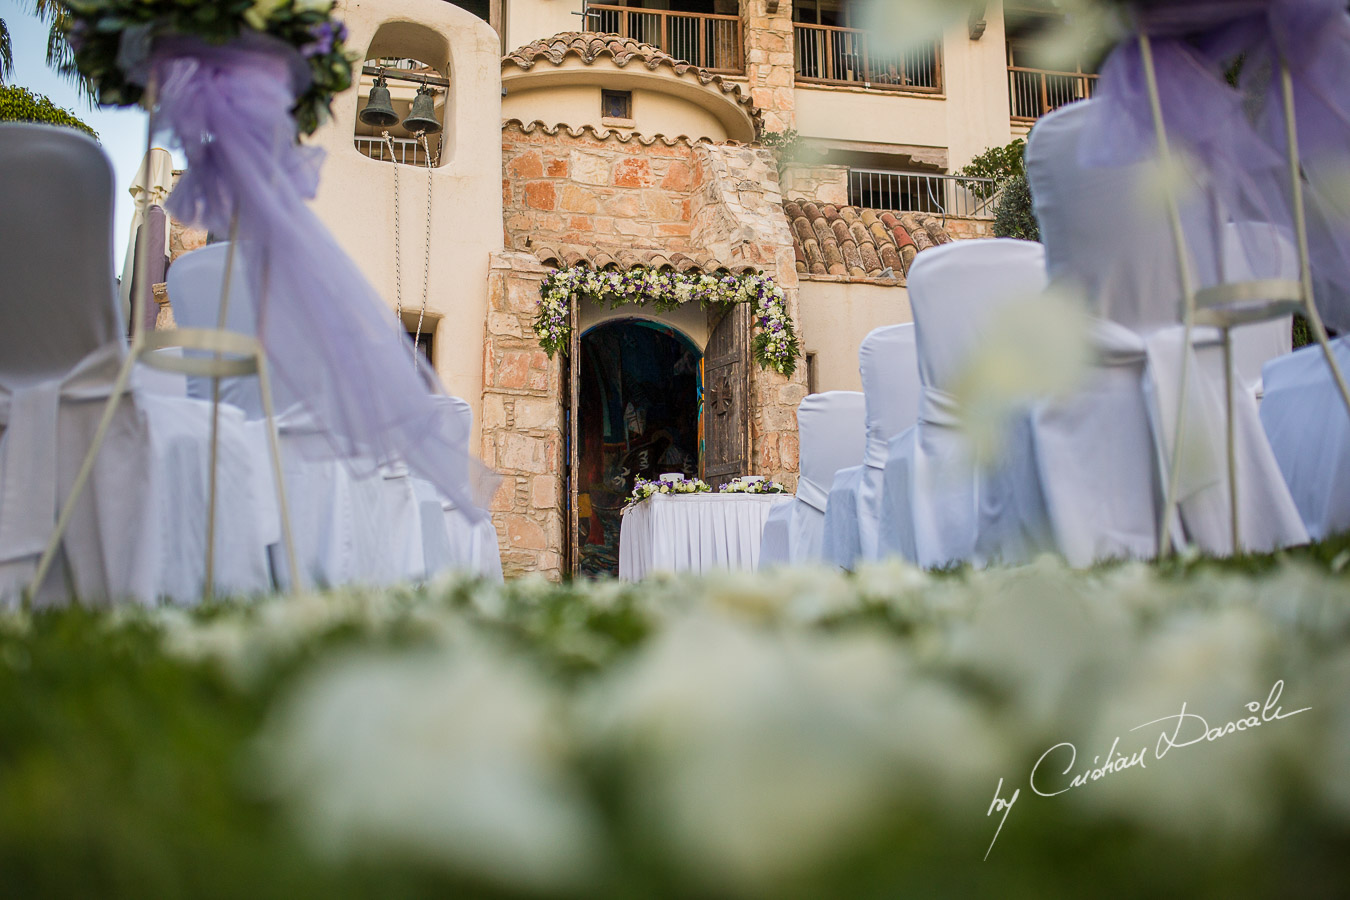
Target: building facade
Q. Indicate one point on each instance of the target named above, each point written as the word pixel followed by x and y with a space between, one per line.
pixel 723 137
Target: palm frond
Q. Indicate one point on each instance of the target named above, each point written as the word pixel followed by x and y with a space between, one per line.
pixel 6 53
pixel 60 55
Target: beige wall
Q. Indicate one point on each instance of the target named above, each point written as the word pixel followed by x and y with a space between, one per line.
pixel 356 194
pixel 969 116
pixel 530 20
pixel 836 316
pixel 576 105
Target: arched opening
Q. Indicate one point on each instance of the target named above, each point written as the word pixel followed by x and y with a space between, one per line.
pixel 641 403
pixel 408 60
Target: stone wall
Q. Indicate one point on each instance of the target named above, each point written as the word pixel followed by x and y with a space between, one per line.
pixel 738 218
pixel 769 63
pixel 522 422
pixel 820 184
pixel 584 190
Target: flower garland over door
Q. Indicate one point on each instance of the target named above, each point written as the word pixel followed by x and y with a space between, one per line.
pixel 775 344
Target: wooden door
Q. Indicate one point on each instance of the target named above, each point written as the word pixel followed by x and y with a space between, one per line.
pixel 726 388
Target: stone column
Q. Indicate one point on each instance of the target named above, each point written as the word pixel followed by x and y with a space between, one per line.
pixel 522 422
pixel 769 63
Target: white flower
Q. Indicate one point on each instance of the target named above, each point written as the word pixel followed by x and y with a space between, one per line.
pixel 453 758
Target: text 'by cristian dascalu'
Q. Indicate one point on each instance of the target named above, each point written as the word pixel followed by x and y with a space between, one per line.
pixel 1058 770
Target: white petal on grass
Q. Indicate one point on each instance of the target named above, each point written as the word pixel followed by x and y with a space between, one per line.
pixel 453 759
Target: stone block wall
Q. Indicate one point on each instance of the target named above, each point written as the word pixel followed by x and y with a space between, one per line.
pixel 738 218
pixel 769 61
pixel 585 190
pixel 522 422
pixel 819 184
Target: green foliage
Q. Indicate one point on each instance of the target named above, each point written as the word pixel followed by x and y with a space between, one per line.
pixel 1302 333
pixel 6 53
pixel 1014 216
pixel 110 34
pixel 132 743
pixel 18 104
pixel 1000 164
pixel 786 147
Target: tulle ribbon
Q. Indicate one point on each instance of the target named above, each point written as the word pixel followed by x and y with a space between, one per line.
pixel 1234 136
pixel 332 344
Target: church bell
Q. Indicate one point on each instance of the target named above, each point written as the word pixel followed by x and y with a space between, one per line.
pixel 379 111
pixel 423 115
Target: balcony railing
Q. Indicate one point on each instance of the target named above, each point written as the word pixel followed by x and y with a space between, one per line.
pixel 1035 92
pixel 405 150
pixel 708 41
pixel 948 196
pixel 829 55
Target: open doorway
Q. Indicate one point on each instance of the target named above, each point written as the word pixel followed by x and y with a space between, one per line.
pixel 641 415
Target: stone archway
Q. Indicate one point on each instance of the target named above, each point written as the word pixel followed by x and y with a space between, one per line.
pixel 640 414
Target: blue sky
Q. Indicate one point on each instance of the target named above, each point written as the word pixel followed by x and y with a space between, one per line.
pixel 120 131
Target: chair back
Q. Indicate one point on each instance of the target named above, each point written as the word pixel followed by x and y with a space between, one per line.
pixel 954 291
pixel 56 218
pixel 888 362
pixel 195 281
pixel 1105 229
pixel 831 428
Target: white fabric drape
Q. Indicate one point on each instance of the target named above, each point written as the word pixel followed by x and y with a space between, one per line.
pixel 888 363
pixel 1104 453
pixel 139 529
pixel 1309 431
pixel 832 435
pixel 694 533
pixel 938 505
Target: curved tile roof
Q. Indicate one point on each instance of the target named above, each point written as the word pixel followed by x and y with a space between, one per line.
pixel 591 46
pixel 564 255
pixel 859 243
pixel 604 134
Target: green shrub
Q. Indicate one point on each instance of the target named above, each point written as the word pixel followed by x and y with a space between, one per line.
pixel 18 104
pixel 1000 164
pixel 1013 216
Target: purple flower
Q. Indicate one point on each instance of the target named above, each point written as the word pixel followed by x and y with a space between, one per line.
pixel 325 35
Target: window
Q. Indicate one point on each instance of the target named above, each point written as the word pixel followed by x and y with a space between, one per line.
pixel 616 104
pixel 812 374
pixel 424 344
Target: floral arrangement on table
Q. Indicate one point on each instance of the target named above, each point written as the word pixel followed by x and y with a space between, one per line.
pixel 111 40
pixel 645 488
pixel 752 485
pixel 775 343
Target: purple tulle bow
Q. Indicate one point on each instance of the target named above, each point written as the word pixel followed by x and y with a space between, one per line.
pixel 332 344
pixel 1235 135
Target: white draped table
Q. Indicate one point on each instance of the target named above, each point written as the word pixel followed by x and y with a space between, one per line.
pixel 694 533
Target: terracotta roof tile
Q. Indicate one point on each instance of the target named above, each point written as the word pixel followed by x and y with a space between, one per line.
pixel 859 243
pixel 590 46
pixel 561 255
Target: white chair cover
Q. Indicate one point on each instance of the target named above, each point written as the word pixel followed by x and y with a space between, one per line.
pixel 195 281
pixel 451 540
pixel 888 362
pixel 139 528
pixel 832 432
pixel 1309 431
pixel 939 506
pixel 1102 454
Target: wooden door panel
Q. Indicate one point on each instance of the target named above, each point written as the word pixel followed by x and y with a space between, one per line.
pixel 726 394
